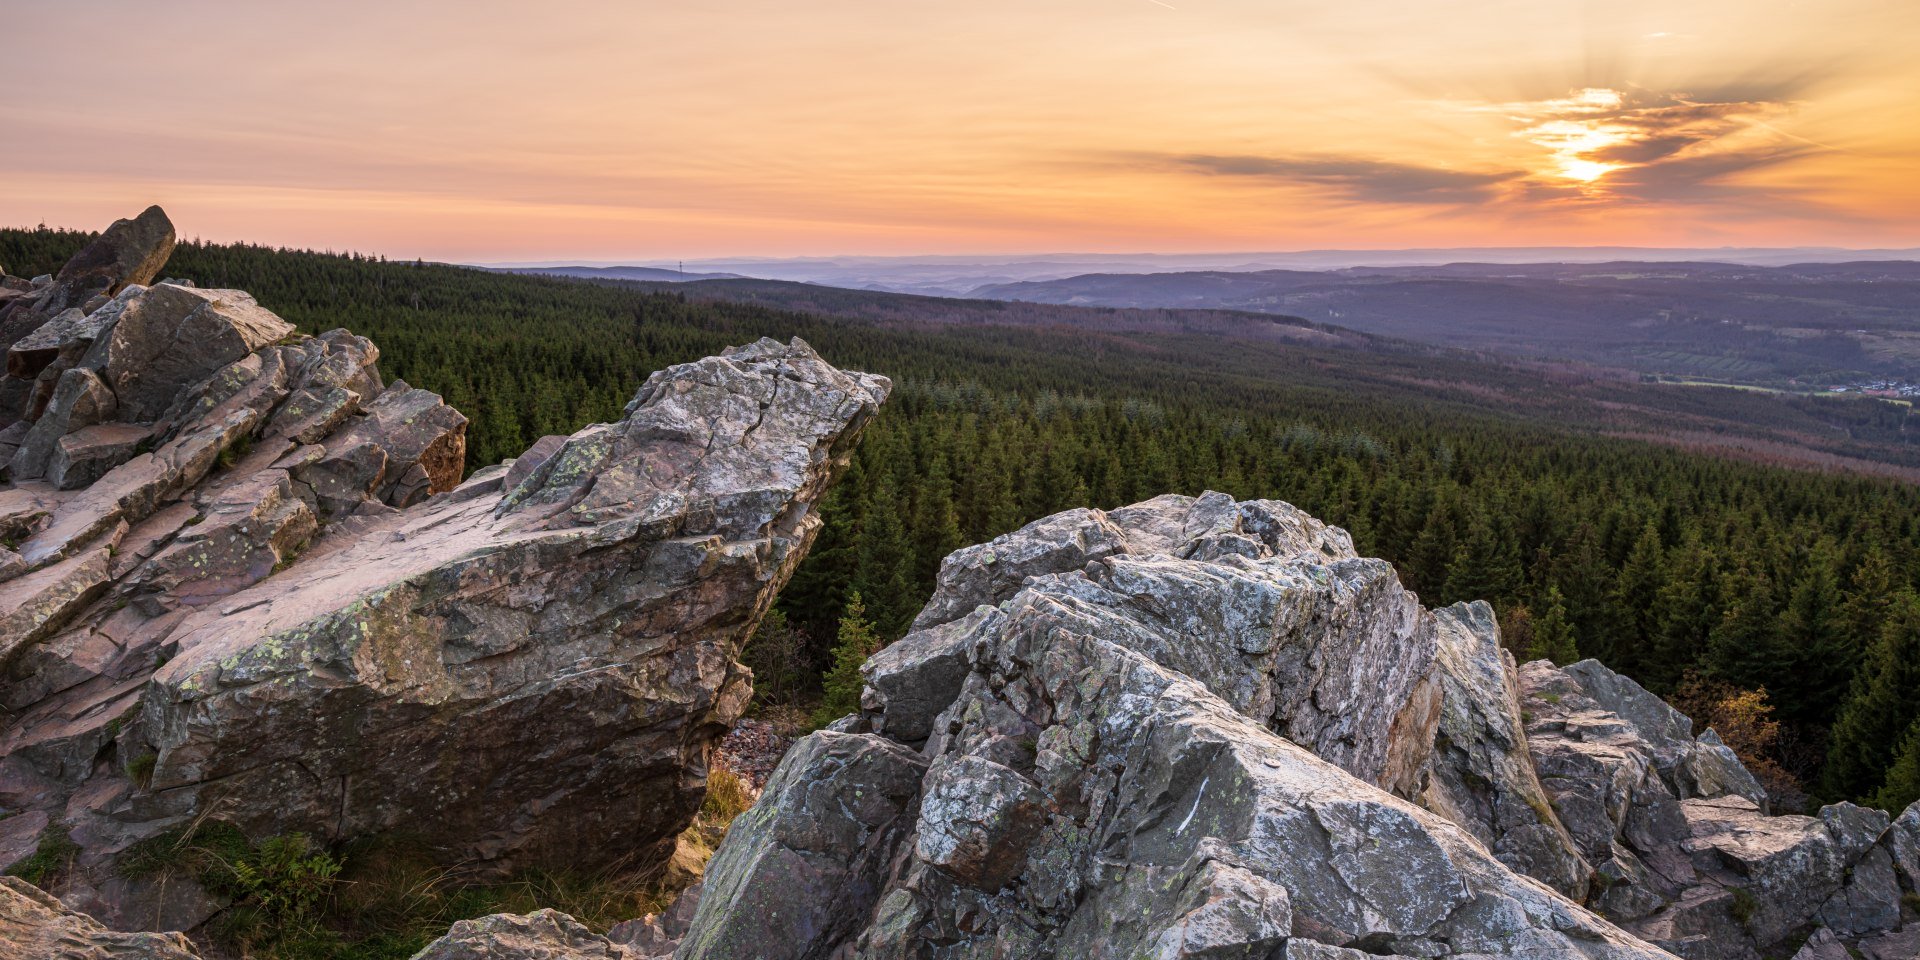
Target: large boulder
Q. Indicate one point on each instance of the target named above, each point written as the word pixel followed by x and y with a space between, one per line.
pixel 282 609
pixel 1267 606
pixel 1685 852
pixel 1086 797
pixel 1124 748
pixel 36 926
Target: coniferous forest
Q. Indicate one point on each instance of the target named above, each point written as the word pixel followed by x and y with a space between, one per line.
pixel 1779 603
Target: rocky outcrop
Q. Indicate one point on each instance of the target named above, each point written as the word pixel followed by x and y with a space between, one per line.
pixel 1147 753
pixel 36 926
pixel 282 608
pixel 1677 831
pixel 1268 607
pixel 1481 775
pixel 1118 734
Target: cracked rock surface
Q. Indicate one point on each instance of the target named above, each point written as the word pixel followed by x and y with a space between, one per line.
pixel 1129 734
pixel 282 608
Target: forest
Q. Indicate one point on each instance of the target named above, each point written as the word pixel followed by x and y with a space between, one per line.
pixel 1775 601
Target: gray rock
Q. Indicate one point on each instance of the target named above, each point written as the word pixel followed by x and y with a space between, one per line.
pixel 521 680
pixel 1265 606
pixel 36 926
pixel 1692 767
pixel 524 465
pixel 80 400
pixel 1088 798
pixel 1481 775
pixel 1903 843
pixel 801 871
pixel 128 252
pixel 168 338
pixel 375 456
pixel 913 680
pixel 84 456
pixel 541 935
pixel 1789 867
pixel 400 670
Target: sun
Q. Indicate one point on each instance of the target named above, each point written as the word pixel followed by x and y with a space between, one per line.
pixel 1584 171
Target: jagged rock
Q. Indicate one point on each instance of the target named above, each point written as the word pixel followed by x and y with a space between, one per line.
pixel 167 338
pixel 1789 866
pixel 35 926
pixel 407 446
pixel 79 400
pixel 402 671
pixel 85 455
pixel 1903 843
pixel 1692 767
pixel 915 679
pixel 812 855
pixel 524 465
pixel 1268 607
pixel 1686 853
pixel 1481 775
pixel 243 613
pixel 541 935
pixel 1106 782
pixel 129 252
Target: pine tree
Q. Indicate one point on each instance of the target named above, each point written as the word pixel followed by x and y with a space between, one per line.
pixel 1553 637
pixel 1633 595
pixel 855 642
pixel 1903 778
pixel 1812 654
pixel 1740 648
pixel 1685 609
pixel 1484 566
pixel 1884 703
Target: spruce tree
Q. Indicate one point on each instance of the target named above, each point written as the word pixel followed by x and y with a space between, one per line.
pixel 1633 595
pixel 1885 701
pixel 853 644
pixel 1902 786
pixel 1553 637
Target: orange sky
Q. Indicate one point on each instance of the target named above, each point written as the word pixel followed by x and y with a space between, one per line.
pixel 481 130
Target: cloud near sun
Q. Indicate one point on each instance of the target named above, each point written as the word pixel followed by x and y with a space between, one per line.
pixel 1593 146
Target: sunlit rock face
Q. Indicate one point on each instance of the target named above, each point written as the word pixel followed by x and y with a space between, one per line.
pixel 1121 734
pixel 283 608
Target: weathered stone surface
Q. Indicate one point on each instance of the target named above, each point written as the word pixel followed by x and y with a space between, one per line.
pixel 1790 866
pixel 1268 607
pixel 915 679
pixel 167 338
pixel 374 455
pixel 533 675
pixel 524 465
pixel 402 671
pixel 1481 774
pixel 85 455
pixel 128 252
pixel 35 926
pixel 79 400
pixel 1702 767
pixel 812 856
pixel 542 935
pixel 34 605
pixel 1106 782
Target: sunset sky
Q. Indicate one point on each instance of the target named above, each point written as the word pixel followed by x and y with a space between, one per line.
pixel 488 131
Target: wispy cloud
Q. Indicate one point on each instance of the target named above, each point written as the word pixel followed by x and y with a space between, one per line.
pixel 1358 178
pixel 1609 144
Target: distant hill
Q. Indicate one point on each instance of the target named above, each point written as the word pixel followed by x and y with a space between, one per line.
pixel 1792 325
pixel 659 274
